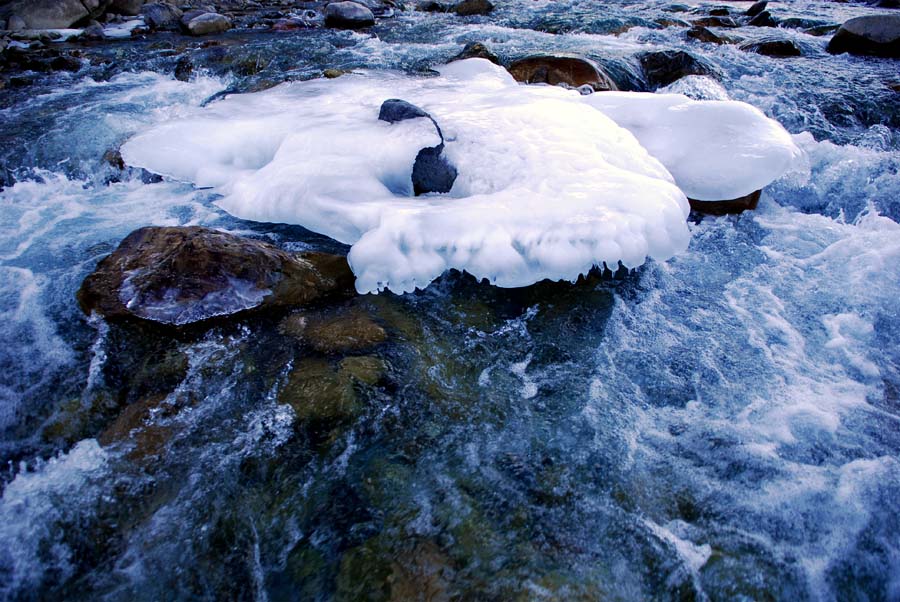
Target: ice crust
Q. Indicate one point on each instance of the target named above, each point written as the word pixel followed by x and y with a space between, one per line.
pixel 548 185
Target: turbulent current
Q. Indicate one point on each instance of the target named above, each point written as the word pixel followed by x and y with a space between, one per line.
pixel 723 424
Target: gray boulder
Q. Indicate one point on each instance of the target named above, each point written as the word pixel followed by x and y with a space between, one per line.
pixel 875 35
pixel 208 23
pixel 348 15
pixel 52 14
pixel 161 15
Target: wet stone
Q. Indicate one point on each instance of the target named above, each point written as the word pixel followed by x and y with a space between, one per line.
pixel 776 48
pixel 561 69
pixel 763 19
pixel 661 68
pixel 473 7
pixel 348 15
pixel 323 399
pixel 180 275
pixel 476 50
pixel 341 332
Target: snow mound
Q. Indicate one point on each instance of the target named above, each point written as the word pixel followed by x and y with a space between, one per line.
pixel 716 149
pixel 548 186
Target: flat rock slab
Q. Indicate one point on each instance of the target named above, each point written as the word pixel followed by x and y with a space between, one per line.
pixel 181 275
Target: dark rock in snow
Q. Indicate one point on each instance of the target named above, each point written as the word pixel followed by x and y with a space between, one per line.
pixel 394 110
pixel 181 275
pixel 560 69
pixel 738 205
pixel 661 68
pixel 476 50
pixel 160 15
pixel 777 48
pixel 431 170
pixel 875 35
pixel 348 15
pixel 473 7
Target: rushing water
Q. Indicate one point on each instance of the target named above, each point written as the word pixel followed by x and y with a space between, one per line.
pixel 722 426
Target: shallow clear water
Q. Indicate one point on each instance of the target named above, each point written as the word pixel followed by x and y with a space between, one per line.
pixel 722 426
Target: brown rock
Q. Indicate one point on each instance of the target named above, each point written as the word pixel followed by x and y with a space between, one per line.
pixel 322 398
pixel 135 425
pixel 349 330
pixel 559 69
pixel 738 205
pixel 180 275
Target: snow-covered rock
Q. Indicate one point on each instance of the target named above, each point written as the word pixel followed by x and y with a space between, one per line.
pixel 550 183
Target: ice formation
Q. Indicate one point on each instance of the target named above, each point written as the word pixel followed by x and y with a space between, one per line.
pixel 548 185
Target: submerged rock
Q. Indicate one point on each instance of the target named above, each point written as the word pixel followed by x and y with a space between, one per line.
pixel 473 7
pixel 366 369
pixel 323 398
pixel 661 68
pixel 208 23
pixel 777 48
pixel 348 15
pixel 876 35
pixel 560 69
pixel 732 206
pixel 180 275
pixel 341 332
